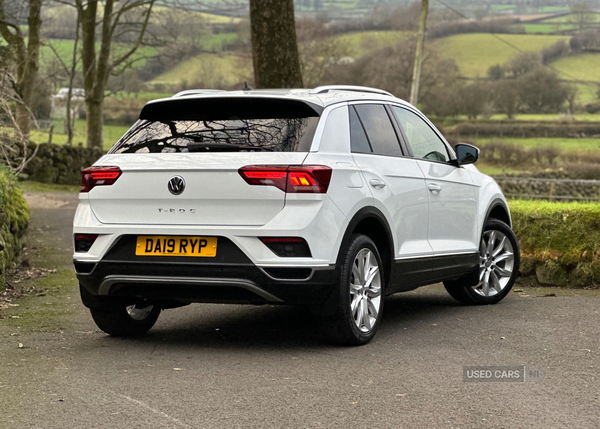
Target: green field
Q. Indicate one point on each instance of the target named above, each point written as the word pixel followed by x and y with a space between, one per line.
pixel 476 53
pixel 208 71
pixel 64 48
pixel 545 28
pixel 112 133
pixel 364 42
pixel 579 67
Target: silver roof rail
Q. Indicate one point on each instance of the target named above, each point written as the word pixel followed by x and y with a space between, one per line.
pixel 327 88
pixel 197 92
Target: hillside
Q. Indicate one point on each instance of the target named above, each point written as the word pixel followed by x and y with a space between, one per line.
pixel 206 71
pixel 476 53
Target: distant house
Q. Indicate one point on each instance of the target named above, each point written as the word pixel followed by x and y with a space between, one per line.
pixel 59 103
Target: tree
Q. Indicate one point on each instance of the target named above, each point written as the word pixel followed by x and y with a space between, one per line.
pixel 25 50
pixel 506 97
pixel 274 47
pixel 319 51
pixel 128 22
pixel 582 14
pixel 542 91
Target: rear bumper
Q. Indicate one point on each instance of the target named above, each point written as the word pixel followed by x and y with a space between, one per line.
pixel 187 282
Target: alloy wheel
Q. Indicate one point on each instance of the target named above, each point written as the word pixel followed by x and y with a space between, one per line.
pixel 365 290
pixel 496 263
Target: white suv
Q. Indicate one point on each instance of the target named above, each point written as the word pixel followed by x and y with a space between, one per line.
pixel 331 198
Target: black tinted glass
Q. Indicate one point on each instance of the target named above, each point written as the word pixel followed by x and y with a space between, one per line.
pixel 379 129
pixel 236 135
pixel 227 124
pixel 358 138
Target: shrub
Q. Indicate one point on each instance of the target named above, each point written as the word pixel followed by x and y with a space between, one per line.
pixel 554 52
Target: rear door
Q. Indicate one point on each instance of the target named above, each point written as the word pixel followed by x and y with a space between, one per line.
pixel 452 193
pixel 396 182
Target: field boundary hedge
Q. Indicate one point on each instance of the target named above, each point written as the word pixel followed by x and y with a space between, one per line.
pixel 560 242
pixel 524 129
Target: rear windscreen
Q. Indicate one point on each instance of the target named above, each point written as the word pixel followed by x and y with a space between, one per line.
pixel 222 125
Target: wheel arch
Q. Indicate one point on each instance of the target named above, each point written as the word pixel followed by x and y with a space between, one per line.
pixel 371 222
pixel 499 210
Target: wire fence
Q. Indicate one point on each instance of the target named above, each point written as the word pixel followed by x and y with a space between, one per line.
pixel 549 189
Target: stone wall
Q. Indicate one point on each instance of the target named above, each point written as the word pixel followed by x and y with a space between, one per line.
pixel 59 164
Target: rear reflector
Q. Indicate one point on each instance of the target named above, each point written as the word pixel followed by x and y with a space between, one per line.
pixel 288 247
pixel 312 179
pixel 98 176
pixel 83 242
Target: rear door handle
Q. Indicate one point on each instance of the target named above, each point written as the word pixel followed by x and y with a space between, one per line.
pixel 377 184
pixel 434 188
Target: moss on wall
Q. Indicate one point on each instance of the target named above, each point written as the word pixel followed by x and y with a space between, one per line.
pixel 14 218
pixel 560 242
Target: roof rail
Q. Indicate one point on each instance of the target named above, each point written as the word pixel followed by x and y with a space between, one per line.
pixel 327 88
pixel 197 92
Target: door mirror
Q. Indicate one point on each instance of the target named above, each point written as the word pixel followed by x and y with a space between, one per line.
pixel 466 153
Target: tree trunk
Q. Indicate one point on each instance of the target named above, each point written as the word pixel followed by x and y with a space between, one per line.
pixel 72 71
pixel 27 57
pixel 274 46
pixel 416 80
pixel 97 69
pixel 95 122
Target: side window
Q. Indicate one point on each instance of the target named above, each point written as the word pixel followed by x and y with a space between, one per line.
pixel 379 129
pixel 358 139
pixel 423 141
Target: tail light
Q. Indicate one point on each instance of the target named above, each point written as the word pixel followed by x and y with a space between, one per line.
pixel 98 176
pixel 313 179
pixel 83 242
pixel 291 247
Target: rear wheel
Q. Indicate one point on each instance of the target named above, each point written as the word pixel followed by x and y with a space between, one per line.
pixel 359 304
pixel 122 320
pixel 497 271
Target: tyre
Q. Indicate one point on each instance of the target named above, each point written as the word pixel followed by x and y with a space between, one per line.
pixel 359 304
pixel 122 320
pixel 498 267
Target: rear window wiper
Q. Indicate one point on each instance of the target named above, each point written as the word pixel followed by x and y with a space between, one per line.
pixel 220 147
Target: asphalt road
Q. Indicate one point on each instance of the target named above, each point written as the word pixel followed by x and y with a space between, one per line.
pixel 214 366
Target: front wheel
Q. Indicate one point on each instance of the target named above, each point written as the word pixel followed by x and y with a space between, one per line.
pixel 498 267
pixel 122 320
pixel 359 303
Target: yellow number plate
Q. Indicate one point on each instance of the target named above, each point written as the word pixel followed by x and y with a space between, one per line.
pixel 176 246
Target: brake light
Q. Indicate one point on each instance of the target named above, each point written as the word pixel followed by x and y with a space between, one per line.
pixel 98 176
pixel 289 178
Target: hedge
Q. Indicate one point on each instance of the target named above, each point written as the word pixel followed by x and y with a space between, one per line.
pixel 560 242
pixel 525 129
pixel 14 218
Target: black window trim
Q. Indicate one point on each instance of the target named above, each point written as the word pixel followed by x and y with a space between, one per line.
pixel 364 131
pixel 395 126
pixel 451 152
